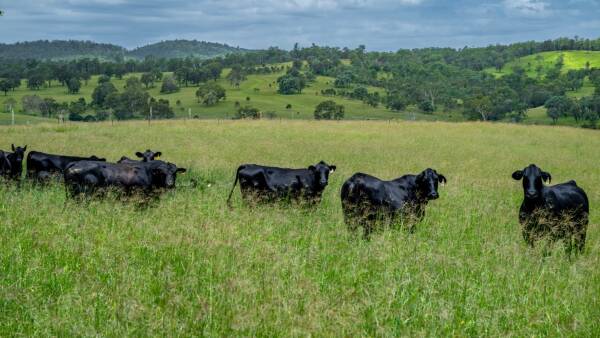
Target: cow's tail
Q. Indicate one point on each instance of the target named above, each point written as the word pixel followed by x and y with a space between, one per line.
pixel 237 177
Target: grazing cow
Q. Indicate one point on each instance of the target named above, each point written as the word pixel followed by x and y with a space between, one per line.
pixel 5 166
pixel 146 156
pixel 92 176
pixel 12 168
pixel 367 199
pixel 560 211
pixel 41 166
pixel 270 183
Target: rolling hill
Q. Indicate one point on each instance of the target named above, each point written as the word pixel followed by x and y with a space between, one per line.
pixel 60 49
pixel 538 64
pixel 182 49
pixel 258 91
pixel 73 49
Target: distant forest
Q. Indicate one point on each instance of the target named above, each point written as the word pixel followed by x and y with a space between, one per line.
pixel 72 49
pixel 431 79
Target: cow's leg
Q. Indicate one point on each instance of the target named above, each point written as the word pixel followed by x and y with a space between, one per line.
pixel 580 232
pixel 527 228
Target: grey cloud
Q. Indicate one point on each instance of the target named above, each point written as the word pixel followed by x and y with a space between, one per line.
pixel 378 24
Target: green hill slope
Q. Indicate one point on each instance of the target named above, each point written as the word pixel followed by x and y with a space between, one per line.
pixel 182 49
pixel 73 49
pixel 261 91
pixel 59 49
pixel 538 64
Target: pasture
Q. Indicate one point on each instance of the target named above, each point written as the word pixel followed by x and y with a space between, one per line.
pixel 260 89
pixel 186 265
pixel 546 60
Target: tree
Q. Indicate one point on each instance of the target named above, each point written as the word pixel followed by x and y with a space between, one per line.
pixel 360 93
pixel 214 70
pixel 49 107
pixel 5 86
pixel 426 106
pixel 78 107
pixel 101 92
pixel 247 112
pixel 558 106
pixel 396 102
pixel 131 103
pixel 73 85
pixel 210 94
pixel 344 79
pixel 31 103
pixel 103 78
pixel 291 83
pixel 147 79
pixel 169 85
pixel 478 107
pixel 328 110
pixel 161 108
pixel 236 75
pixel 35 81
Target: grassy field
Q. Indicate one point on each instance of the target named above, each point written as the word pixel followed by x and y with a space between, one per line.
pixel 261 89
pixel 187 265
pixel 6 119
pixel 547 60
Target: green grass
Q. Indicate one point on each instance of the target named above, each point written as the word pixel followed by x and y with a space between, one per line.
pixel 256 87
pixel 6 119
pixel 189 266
pixel 547 60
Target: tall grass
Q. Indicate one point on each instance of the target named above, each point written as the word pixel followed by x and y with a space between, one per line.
pixel 187 265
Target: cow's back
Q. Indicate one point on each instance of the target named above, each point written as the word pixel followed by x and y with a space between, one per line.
pixel 566 197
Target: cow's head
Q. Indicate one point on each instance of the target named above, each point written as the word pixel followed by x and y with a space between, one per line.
pixel 533 178
pixel 427 183
pixel 164 174
pixel 148 155
pixel 96 158
pixel 18 154
pixel 321 171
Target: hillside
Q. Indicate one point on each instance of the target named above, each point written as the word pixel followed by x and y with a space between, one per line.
pixel 72 49
pixel 261 90
pixel 182 49
pixel 60 49
pixel 538 64
pixel 188 265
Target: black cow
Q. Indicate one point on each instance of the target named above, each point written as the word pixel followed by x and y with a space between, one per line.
pixel 367 199
pixel 5 167
pixel 146 156
pixel 41 166
pixel 560 211
pixel 92 176
pixel 270 183
pixel 12 168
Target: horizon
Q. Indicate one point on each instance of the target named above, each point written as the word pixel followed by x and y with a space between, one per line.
pixel 379 25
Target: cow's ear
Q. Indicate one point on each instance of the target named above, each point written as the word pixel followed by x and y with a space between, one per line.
pixel 332 168
pixel 138 154
pixel 546 177
pixel 312 168
pixel 13 147
pixel 442 179
pixel 25 148
pixel 517 175
pixel 181 170
pixel 157 155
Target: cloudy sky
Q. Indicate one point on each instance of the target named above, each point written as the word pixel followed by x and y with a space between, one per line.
pixel 378 24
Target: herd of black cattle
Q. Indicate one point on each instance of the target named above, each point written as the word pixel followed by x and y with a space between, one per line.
pixel 557 212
